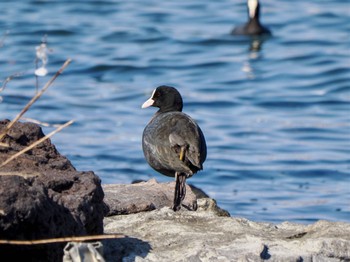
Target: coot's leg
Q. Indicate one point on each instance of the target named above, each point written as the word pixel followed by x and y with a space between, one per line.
pixel 180 190
pixel 180 184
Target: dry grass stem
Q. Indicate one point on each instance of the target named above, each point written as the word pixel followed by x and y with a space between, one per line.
pixel 36 143
pixel 4 144
pixel 61 239
pixel 36 97
pixel 32 120
pixel 18 173
pixel 8 79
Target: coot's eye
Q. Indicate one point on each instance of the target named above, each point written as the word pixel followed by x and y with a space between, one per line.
pixel 156 94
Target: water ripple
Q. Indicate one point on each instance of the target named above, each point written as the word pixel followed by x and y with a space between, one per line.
pixel 275 111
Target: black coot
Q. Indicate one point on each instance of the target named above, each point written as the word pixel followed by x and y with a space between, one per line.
pixel 253 26
pixel 172 142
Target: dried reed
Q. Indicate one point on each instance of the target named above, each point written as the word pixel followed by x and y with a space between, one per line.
pixel 60 239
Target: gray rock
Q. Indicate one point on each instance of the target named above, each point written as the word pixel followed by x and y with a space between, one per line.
pixel 143 196
pixel 209 205
pixel 203 236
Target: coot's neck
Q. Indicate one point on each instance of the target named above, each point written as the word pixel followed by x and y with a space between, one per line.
pixel 254 22
pixel 163 109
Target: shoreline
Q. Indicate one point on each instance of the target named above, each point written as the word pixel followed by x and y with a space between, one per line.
pixel 43 196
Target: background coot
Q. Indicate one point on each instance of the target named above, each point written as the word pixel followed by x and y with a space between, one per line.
pixel 253 26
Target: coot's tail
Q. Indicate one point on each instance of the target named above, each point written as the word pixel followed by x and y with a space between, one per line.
pixel 180 190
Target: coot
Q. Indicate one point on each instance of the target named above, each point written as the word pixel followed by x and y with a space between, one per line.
pixel 253 26
pixel 172 142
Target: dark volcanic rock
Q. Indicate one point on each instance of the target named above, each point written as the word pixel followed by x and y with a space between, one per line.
pixel 43 196
pixel 43 157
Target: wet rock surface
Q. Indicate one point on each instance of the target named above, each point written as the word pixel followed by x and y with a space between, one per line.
pixel 43 196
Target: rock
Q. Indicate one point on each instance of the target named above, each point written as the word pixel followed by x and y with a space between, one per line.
pixel 198 192
pixel 143 196
pixel 43 196
pixel 209 205
pixel 164 235
pixel 41 158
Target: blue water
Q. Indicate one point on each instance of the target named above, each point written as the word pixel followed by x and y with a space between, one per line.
pixel 276 120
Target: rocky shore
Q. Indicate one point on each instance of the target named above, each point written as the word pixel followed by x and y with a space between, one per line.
pixel 43 196
pixel 163 235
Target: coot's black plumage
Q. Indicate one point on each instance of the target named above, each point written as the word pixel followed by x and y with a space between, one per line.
pixel 253 27
pixel 172 142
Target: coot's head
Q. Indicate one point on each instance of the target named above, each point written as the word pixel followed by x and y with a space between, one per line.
pixel 166 98
pixel 253 9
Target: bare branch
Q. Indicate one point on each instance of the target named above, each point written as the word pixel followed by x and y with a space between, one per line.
pixel 61 239
pixel 36 97
pixel 35 121
pixel 8 79
pixel 4 144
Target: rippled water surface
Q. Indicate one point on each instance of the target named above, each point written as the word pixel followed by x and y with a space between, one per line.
pixel 275 113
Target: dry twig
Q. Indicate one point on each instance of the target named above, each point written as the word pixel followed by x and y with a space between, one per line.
pixel 32 120
pixel 61 239
pixel 8 79
pixel 4 144
pixel 36 97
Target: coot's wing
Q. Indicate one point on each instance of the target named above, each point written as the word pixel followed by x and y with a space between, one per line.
pixel 181 131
